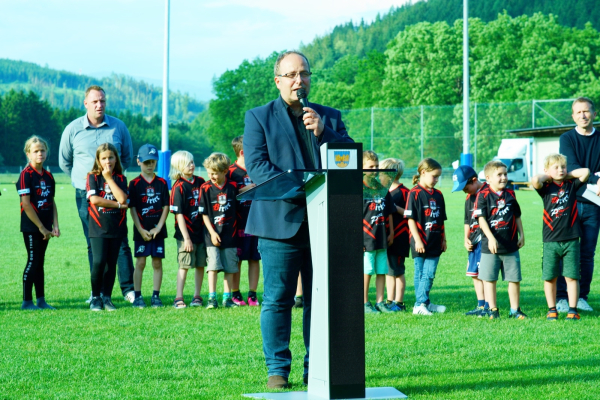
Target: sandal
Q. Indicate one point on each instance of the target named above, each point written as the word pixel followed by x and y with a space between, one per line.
pixel 197 302
pixel 179 303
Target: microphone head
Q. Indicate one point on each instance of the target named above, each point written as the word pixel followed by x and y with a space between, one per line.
pixel 301 93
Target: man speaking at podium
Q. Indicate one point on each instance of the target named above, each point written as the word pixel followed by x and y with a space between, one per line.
pixel 281 135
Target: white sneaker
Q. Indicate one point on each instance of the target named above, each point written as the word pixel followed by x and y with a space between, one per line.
pixel 130 297
pixel 562 306
pixel 421 310
pixel 434 308
pixel 88 301
pixel 583 305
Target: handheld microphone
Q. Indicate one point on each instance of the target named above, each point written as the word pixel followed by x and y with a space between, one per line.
pixel 301 93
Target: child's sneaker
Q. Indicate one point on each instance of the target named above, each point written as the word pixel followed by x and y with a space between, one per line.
pixel 253 301
pixel 494 313
pixel 179 303
pixel 212 303
pixel 382 307
pixel 421 310
pixel 562 306
pixel 518 315
pixel 239 301
pixel 573 317
pixel 139 303
pixel 108 304
pixel 583 305
pixel 369 309
pixel 434 308
pixel 401 306
pixel 298 302
pixel 197 302
pixel 552 315
pixel 155 302
pixel 96 303
pixel 392 306
pixel 229 303
pixel 476 312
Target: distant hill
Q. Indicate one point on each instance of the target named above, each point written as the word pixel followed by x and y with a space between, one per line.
pixel 64 89
pixel 358 39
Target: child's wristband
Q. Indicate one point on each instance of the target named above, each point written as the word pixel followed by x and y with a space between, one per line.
pixel 119 204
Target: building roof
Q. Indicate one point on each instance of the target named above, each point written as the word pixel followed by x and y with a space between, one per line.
pixel 546 131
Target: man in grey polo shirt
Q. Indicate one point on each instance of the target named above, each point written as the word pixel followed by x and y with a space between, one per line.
pixel 77 152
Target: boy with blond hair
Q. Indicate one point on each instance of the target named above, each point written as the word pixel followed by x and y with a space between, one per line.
pixel 558 189
pixel 247 247
pixel 499 216
pixel 218 207
pixel 378 206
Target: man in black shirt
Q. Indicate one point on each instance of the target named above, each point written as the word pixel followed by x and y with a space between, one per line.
pixel 581 146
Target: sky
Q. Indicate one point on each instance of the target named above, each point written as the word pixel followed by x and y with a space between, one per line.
pixel 208 37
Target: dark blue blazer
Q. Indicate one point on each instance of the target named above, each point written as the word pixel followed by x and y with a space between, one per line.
pixel 271 147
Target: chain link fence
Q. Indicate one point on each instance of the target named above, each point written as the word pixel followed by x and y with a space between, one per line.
pixel 413 133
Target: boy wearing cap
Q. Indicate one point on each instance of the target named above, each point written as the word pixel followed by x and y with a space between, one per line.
pixel 465 179
pixel 149 207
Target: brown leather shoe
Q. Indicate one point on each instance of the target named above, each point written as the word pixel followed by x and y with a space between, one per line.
pixel 277 382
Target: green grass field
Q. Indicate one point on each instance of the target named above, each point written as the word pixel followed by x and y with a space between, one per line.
pixel 201 354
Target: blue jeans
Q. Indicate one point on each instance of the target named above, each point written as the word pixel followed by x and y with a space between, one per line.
pixel 589 224
pixel 125 260
pixel 282 260
pixel 424 274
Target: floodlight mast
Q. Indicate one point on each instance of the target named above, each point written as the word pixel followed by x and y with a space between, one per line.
pixel 466 158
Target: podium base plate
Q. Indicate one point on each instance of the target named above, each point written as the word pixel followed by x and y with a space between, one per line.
pixel 371 393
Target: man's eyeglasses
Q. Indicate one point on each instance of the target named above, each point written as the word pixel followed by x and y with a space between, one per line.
pixel 294 75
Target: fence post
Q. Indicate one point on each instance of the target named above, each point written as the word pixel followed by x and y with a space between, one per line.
pixel 372 117
pixel 422 132
pixel 532 114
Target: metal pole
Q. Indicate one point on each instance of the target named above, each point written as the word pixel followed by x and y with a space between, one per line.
pixel 165 99
pixel 466 158
pixel 532 114
pixel 422 132
pixel 475 138
pixel 164 159
pixel 372 117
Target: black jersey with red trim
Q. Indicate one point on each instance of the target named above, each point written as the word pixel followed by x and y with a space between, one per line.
pixel 240 176
pixel 185 200
pixel 428 209
pixel 148 199
pixel 106 222
pixel 401 245
pixel 475 233
pixel 500 210
pixel 220 205
pixel 376 212
pixel 40 188
pixel 560 210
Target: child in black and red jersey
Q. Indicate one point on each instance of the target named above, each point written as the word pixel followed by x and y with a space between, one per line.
pixel 218 206
pixel 378 207
pixel 39 220
pixel 107 197
pixel 426 213
pixel 465 179
pixel 499 216
pixel 149 208
pixel 561 230
pixel 189 227
pixel 400 248
pixel 247 244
